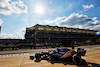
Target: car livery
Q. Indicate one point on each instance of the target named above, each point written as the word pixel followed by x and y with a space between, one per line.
pixel 60 54
pixel 67 54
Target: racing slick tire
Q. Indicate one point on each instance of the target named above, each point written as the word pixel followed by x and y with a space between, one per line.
pixel 77 59
pixel 38 57
pixel 31 57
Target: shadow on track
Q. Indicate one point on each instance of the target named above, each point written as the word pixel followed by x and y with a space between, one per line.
pixel 83 64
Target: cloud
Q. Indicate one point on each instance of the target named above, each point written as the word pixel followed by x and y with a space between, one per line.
pixel 77 21
pixel 15 35
pixel 58 19
pixel 50 2
pixel 25 19
pixel 7 7
pixel 88 6
pixel 1 21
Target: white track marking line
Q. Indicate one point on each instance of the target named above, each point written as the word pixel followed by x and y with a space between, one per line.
pixel 9 55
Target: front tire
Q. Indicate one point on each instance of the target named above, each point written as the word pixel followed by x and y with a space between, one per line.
pixel 31 57
pixel 38 57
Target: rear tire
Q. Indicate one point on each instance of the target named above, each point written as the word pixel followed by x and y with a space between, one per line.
pixel 77 59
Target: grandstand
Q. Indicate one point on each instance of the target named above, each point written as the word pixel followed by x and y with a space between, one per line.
pixel 48 35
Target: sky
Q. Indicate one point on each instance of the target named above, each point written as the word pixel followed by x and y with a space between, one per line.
pixel 16 15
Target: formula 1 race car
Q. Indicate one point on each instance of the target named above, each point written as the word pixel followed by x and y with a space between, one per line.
pixel 61 54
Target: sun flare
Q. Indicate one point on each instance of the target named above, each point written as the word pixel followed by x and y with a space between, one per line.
pixel 39 9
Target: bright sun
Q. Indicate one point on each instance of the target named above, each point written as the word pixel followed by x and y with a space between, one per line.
pixel 39 9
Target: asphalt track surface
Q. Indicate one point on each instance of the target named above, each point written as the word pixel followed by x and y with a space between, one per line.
pixel 9 55
pixel 92 59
